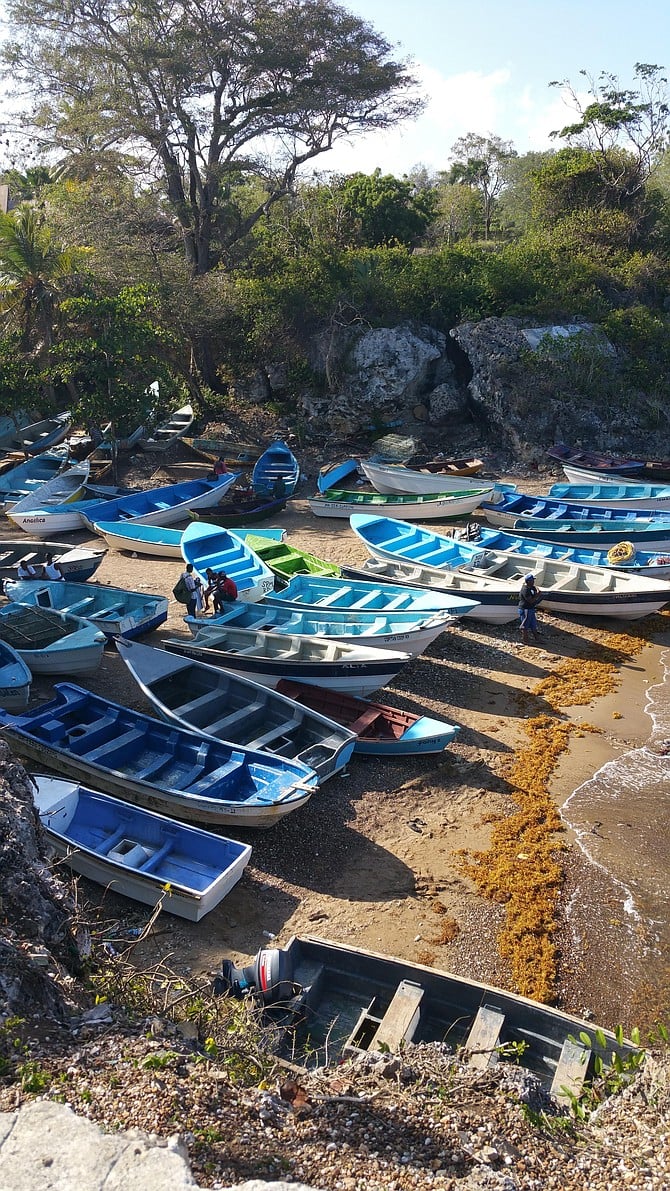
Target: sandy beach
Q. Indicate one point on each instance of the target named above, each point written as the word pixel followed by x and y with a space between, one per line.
pixel 377 857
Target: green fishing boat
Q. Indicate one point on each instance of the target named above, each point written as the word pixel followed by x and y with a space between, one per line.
pixel 288 561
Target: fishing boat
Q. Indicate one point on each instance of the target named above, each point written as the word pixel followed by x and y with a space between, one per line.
pixel 11 425
pixel 64 487
pixel 114 610
pixel 565 586
pixel 596 461
pixel 330 593
pixel 160 766
pixel 581 475
pixel 381 731
pixel 626 496
pixel 490 601
pixel 77 563
pixel 267 657
pixel 239 455
pixel 287 561
pixel 332 474
pixel 508 507
pixel 403 631
pixel 439 506
pixel 168 432
pixel 648 534
pixel 51 642
pixel 157 541
pixel 229 707
pixel 148 857
pixel 240 510
pixel 24 477
pixel 390 479
pixel 161 506
pixel 40 436
pixel 328 1001
pixel 15 679
pixel 211 546
pixel 642 562
pixel 462 465
pixel 276 473
pixel 68 517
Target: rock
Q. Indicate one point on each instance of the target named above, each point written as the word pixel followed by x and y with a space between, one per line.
pixel 446 401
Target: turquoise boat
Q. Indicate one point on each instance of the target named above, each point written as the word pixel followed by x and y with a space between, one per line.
pixel 212 546
pixel 25 477
pixel 508 506
pixel 601 535
pixel 627 495
pixel 276 473
pixel 310 591
pixel 51 642
pixel 15 679
pixel 161 541
pixel 116 611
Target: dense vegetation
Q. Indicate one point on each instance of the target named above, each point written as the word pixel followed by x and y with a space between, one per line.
pixel 166 229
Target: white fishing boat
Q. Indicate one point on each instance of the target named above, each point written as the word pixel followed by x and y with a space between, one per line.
pixel 51 642
pixel 65 487
pixel 491 602
pixel 390 478
pixel 167 432
pixel 436 506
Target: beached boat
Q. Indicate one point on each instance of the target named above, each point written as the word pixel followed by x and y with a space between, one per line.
pixel 508 507
pixel 66 486
pixel 211 546
pixel 240 510
pixel 491 601
pixel 157 541
pixel 642 562
pixel 135 852
pixel 267 657
pixel 239 455
pixel 151 763
pixel 277 472
pixel 461 465
pixel 15 679
pixel 229 707
pixel 77 563
pixel 40 436
pixel 381 731
pixel 328 1001
pixel 403 631
pixel 12 424
pixel 391 479
pixel 603 535
pixel 26 476
pixel 625 496
pixel 287 561
pixel 161 506
pixel 594 460
pixel 565 586
pixel 332 475
pixel 311 591
pixel 51 642
pixel 114 610
pixel 169 431
pixel 438 506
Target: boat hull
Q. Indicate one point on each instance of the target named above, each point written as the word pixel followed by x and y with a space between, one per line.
pixel 169 431
pixel 51 642
pixel 642 563
pixel 493 604
pixel 390 479
pixel 584 534
pixel 161 506
pixel 364 595
pixel 156 541
pixel 434 507
pixel 276 465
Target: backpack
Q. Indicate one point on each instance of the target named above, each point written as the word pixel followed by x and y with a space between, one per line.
pixel 181 592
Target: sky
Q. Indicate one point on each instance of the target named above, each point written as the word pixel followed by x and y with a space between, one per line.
pixel 485 67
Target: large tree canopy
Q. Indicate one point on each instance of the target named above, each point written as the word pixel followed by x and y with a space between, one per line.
pixel 201 91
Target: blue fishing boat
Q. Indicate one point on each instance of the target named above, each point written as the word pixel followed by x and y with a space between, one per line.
pixel 132 851
pixel 51 642
pixel 333 474
pixel 309 591
pixel 625 495
pixel 40 436
pixel 381 730
pixel 161 506
pixel 15 679
pixel 643 562
pixel 116 611
pixel 222 550
pixel 508 506
pixel 25 477
pixel 238 509
pixel 229 707
pixel 276 473
pixel 603 535
pixel 150 763
pixel 161 541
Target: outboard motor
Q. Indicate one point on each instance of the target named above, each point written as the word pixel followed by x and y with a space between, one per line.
pixel 268 978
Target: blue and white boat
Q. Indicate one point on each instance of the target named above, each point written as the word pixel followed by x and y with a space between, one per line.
pixel 642 562
pixel 406 631
pixel 624 495
pixel 600 535
pixel 51 642
pixel 494 602
pixel 77 563
pixel 310 591
pixel 160 541
pixel 212 546
pixel 135 852
pixel 15 679
pixel 150 763
pixel 565 586
pixel 333 474
pixel 66 486
pixel 229 707
pixel 40 436
pixel 509 506
pixel 161 506
pixel 277 472
pixel 116 611
pixel 25 477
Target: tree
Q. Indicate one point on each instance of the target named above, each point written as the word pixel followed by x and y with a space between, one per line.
pixel 480 163
pixel 388 210
pixel 200 90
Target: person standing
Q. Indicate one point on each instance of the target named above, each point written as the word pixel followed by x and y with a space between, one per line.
pixel 192 584
pixel 529 598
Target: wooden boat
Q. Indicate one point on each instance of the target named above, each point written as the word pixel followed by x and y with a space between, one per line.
pixel 327 1001
pixel 161 506
pixel 462 465
pixel 642 562
pixel 228 707
pixel 594 460
pixel 310 591
pixel 24 477
pixel 287 561
pixel 267 657
pixel 150 763
pixel 381 731
pixel 239 510
pixel 276 473
pixel 132 851
pixel 438 506
pixel 647 534
pixel 63 488
pixel 491 601
pixel 565 586
pixel 40 436
pixel 403 631
pixel 332 474
pixel 51 642
pixel 167 432
pixel 393 480
pixel 222 550
pixel 114 610
pixel 508 507
pixel 240 455
pixel 15 679
pixel 625 496
pixel 77 563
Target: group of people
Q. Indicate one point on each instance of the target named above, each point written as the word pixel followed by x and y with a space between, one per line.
pixel 221 589
pixel 49 569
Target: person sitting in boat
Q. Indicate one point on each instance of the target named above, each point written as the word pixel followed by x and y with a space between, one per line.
pixel 25 570
pixel 221 588
pixel 220 468
pixel 529 598
pixel 51 569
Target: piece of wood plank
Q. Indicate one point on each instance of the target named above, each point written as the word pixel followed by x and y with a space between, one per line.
pixel 570 1071
pixel 401 1018
pixel 480 1044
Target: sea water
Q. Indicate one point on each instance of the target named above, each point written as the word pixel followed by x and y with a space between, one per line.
pixel 621 818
